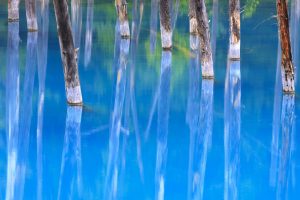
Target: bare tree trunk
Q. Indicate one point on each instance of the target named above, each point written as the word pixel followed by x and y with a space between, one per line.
pixel 89 33
pixel 204 35
pixel 192 17
pixel 121 7
pixel 234 12
pixel 31 15
pixel 287 67
pixel 68 53
pixel 165 25
pixel 13 10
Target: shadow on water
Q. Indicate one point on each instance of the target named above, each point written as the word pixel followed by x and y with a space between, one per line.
pixel 70 181
pixel 199 117
pixel 232 120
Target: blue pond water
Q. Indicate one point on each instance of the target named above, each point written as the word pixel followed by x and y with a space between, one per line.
pixel 150 127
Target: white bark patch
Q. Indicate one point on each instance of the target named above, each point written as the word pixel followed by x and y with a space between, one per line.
pixel 207 69
pixel 193 26
pixel 124 29
pixel 166 38
pixel 234 50
pixel 74 95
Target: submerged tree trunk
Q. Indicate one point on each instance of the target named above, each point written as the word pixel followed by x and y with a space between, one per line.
pixel 192 17
pixel 76 22
pixel 13 10
pixel 234 12
pixel 68 53
pixel 121 7
pixel 31 15
pixel 287 67
pixel 204 35
pixel 89 33
pixel 165 24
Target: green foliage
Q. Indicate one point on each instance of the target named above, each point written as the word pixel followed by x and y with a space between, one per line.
pixel 250 8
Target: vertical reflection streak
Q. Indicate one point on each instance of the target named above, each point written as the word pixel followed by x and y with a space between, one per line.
pixel 232 109
pixel 200 120
pixel 112 172
pixel 163 124
pixel 70 173
pixel 76 19
pixel 12 106
pixel 43 24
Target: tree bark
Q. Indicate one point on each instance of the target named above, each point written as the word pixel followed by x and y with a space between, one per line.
pixel 287 67
pixel 192 17
pixel 234 12
pixel 31 15
pixel 165 25
pixel 13 10
pixel 204 35
pixel 121 7
pixel 68 53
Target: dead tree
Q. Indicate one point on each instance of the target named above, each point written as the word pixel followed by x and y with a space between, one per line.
pixel 68 53
pixel 204 36
pixel 192 17
pixel 121 7
pixel 234 12
pixel 13 10
pixel 31 15
pixel 287 67
pixel 165 24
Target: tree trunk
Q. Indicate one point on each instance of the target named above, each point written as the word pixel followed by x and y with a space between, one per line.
pixel 76 22
pixel 31 15
pixel 234 12
pixel 204 35
pixel 68 53
pixel 89 33
pixel 13 10
pixel 121 7
pixel 165 25
pixel 287 68
pixel 192 17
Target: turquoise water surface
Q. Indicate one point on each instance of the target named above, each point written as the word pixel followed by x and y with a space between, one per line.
pixel 150 127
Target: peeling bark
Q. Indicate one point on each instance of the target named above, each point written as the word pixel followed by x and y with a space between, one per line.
pixel 68 53
pixel 31 15
pixel 13 10
pixel 287 67
pixel 204 35
pixel 234 12
pixel 165 25
pixel 121 7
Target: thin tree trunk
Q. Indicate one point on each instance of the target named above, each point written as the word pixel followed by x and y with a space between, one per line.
pixel 234 12
pixel 165 25
pixel 121 7
pixel 89 33
pixel 31 15
pixel 192 17
pixel 76 22
pixel 13 10
pixel 287 67
pixel 68 53
pixel 204 35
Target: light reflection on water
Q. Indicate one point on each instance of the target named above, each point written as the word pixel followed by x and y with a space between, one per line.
pixel 151 128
